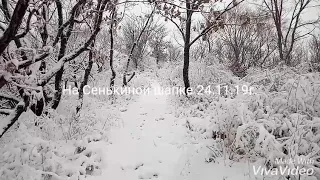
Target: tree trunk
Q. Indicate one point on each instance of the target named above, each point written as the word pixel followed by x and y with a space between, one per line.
pixel 58 76
pixel 186 49
pixel 14 24
pixel 88 69
pixel 186 58
pixel 85 81
pixel 58 89
pixel 113 72
pixel 44 33
pixel 279 42
pixel 64 38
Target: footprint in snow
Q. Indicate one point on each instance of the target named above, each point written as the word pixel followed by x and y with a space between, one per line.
pixel 132 167
pixel 160 119
pixel 149 175
pixel 138 166
pixel 123 109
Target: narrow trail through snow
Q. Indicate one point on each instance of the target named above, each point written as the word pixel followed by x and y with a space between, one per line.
pixel 150 143
pixel 153 144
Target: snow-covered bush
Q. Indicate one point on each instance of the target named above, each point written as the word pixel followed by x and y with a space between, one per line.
pixel 280 120
pixel 32 158
pixel 140 81
pixel 200 73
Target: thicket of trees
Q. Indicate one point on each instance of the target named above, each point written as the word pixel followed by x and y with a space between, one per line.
pixel 43 31
pixel 48 45
pixel 39 39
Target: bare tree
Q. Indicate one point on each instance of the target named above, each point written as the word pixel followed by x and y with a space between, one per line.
pixel 111 32
pixel 247 40
pixel 184 14
pixel 314 46
pixel 288 33
pixel 136 42
pixel 131 30
pixel 159 44
pixel 174 52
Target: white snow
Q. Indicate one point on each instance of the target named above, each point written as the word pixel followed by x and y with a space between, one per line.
pixel 146 137
pixel 153 144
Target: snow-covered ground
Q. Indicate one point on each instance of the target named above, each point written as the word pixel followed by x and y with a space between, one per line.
pixel 143 137
pixel 153 144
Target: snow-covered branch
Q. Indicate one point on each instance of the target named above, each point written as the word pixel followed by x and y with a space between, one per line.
pixel 11 98
pixel 6 123
pixel 77 52
pixel 37 58
pixel 6 111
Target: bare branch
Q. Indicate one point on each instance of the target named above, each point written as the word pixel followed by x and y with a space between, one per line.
pixel 207 29
pixel 304 35
pixel 177 25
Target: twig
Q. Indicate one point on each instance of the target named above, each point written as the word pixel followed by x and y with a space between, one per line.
pixel 4 96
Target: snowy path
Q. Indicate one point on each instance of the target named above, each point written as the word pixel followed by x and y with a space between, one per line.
pixel 149 145
pixel 153 144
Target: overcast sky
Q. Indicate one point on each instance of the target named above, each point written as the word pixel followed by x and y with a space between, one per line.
pixel 311 13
